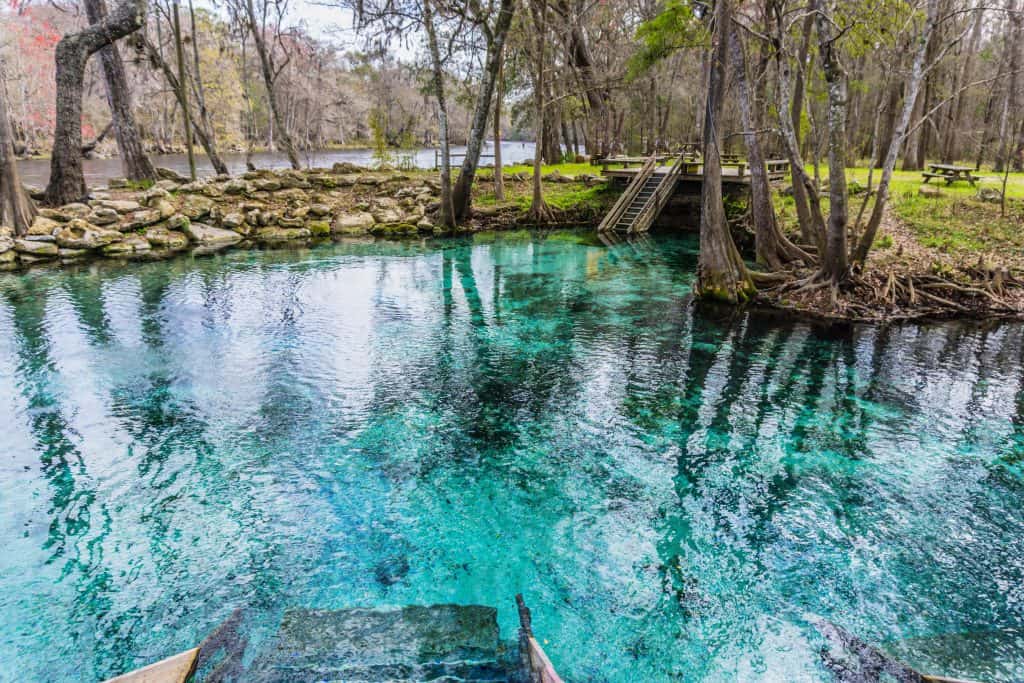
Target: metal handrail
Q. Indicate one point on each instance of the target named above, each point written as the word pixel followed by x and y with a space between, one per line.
pixel 658 199
pixel 626 198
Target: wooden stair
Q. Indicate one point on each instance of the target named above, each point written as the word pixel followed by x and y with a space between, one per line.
pixel 643 199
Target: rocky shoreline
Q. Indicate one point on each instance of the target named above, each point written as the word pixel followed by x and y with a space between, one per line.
pixel 260 207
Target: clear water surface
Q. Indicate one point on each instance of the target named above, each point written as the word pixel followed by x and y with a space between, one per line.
pixel 680 495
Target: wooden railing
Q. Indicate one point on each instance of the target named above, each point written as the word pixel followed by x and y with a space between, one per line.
pixel 534 663
pixel 627 197
pixel 656 202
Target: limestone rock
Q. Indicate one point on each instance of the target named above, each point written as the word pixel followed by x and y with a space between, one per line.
pixel 165 208
pixel 78 234
pixel 141 219
pixel 345 168
pixel 393 229
pixel 103 216
pixel 153 195
pixel 319 210
pixel 267 184
pixel 117 183
pixel 989 194
pixel 6 244
pixel 211 190
pixel 43 226
pixel 120 205
pixel 69 255
pixel 353 224
pixel 281 234
pixel 177 222
pixel 370 180
pixel 290 222
pixel 237 186
pixel 171 175
pixel 36 249
pixel 319 228
pixel 387 216
pixel 76 210
pixel 293 195
pixel 166 185
pixel 232 221
pixel 195 207
pixel 201 233
pixel 55 215
pixel 323 181
pixel 293 179
pixel 129 245
pixel 162 238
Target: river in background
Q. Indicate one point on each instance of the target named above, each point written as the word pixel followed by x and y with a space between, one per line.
pixel 36 172
pixel 680 495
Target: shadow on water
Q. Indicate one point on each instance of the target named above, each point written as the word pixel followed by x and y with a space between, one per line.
pixel 682 491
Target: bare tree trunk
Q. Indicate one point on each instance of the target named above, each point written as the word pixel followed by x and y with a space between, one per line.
pixel 249 112
pixel 447 209
pixel 186 113
pixel 134 161
pixel 67 181
pixel 721 273
pixel 950 148
pixel 267 68
pixel 1016 157
pixel 800 198
pixel 860 255
pixel 16 208
pixel 462 194
pixel 499 94
pixel 772 247
pixel 812 223
pixel 539 210
pixel 205 137
pixel 582 61
pixel 834 265
pixel 197 74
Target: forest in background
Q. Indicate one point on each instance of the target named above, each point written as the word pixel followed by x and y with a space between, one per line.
pixel 818 83
pixel 619 50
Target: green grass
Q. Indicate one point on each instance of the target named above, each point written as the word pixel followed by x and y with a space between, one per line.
pixel 572 169
pixel 955 222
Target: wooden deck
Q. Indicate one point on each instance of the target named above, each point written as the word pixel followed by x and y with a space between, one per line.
pixel 733 172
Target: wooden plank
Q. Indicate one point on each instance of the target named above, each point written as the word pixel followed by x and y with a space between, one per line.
pixel 174 669
pixel 540 665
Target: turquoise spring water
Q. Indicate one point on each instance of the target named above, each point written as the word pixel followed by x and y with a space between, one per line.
pixel 678 493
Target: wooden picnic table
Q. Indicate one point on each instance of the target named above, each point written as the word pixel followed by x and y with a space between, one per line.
pixel 950 173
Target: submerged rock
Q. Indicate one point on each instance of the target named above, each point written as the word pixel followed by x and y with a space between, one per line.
pixel 414 643
pixel 392 570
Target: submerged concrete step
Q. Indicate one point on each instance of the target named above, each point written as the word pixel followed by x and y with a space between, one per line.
pixel 415 643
